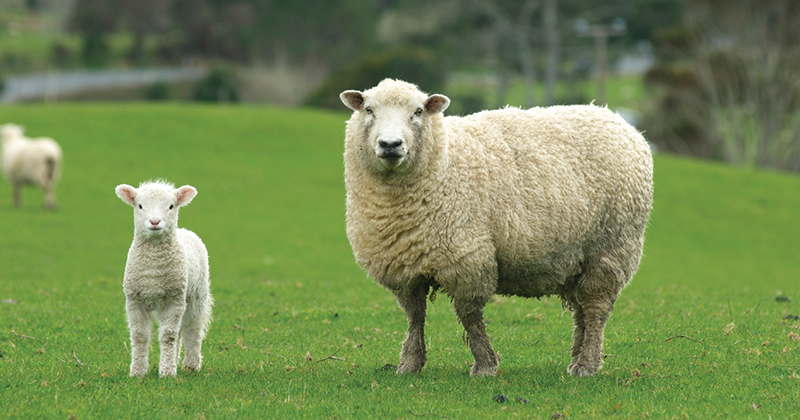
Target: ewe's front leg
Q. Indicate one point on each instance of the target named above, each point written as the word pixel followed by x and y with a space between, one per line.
pixel 168 337
pixel 413 355
pixel 141 333
pixel 470 314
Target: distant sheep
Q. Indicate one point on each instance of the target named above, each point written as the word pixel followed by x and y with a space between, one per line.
pixel 30 161
pixel 166 275
pixel 546 201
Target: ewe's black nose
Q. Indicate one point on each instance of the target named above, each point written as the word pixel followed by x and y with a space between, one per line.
pixel 389 144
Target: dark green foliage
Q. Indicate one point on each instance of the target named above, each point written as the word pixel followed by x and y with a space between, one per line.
pixel 220 85
pixel 415 65
pixel 158 91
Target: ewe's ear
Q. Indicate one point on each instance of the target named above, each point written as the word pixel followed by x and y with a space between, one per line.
pixel 185 194
pixel 436 104
pixel 126 193
pixel 353 99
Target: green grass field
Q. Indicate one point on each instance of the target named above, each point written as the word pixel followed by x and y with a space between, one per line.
pixel 299 331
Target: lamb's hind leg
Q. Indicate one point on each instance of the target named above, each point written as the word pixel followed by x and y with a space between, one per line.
pixel 168 331
pixel 193 329
pixel 413 354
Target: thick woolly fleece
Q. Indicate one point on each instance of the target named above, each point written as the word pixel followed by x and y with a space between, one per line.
pixel 546 201
pixel 166 276
pixel 30 161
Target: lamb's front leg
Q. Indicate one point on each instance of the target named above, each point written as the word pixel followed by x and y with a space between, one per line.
pixel 141 333
pixel 413 355
pixel 168 337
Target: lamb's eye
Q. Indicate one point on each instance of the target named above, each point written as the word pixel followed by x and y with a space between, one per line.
pixel 418 112
pixel 368 110
pixel 171 206
pixel 140 206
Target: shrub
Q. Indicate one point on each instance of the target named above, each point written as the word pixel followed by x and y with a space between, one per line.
pixel 414 65
pixel 158 91
pixel 221 85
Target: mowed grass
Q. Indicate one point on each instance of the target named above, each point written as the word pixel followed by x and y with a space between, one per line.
pixel 299 331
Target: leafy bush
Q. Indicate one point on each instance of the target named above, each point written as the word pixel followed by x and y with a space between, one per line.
pixel 158 91
pixel 221 85
pixel 415 65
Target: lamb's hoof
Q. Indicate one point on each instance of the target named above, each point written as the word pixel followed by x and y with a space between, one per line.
pixel 582 369
pixel 163 373
pixel 138 371
pixel 191 368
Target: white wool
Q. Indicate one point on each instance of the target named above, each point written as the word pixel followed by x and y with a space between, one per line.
pixel 166 277
pixel 30 162
pixel 546 201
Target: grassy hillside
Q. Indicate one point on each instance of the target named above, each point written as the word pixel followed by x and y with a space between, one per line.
pixel 698 333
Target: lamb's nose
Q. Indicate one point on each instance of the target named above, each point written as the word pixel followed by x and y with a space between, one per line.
pixel 155 222
pixel 389 144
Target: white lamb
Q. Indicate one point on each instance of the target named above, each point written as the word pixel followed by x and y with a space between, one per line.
pixel 30 161
pixel 166 275
pixel 546 201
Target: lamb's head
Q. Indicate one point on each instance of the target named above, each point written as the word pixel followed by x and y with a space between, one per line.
pixel 392 119
pixel 155 207
pixel 10 131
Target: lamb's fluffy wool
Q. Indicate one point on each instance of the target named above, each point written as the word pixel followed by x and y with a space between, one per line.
pixel 30 161
pixel 546 201
pixel 166 275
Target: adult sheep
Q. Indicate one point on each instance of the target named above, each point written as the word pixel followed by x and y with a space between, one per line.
pixel 30 161
pixel 546 201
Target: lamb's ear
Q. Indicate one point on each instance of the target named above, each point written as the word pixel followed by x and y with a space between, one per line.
pixel 353 99
pixel 436 103
pixel 126 193
pixel 185 194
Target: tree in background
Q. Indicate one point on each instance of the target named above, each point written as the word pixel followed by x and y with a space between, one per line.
pixel 731 87
pixel 94 20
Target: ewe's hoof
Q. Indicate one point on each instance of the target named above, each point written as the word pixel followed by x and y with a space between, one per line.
pixel 483 371
pixel 581 370
pixel 408 368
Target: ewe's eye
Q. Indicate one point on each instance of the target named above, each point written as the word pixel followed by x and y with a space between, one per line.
pixel 368 110
pixel 418 112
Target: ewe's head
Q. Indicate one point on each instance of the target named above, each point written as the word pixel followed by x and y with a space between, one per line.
pixel 392 118
pixel 10 131
pixel 155 206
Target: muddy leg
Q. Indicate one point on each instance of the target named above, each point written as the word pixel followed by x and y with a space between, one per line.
pixel 578 331
pixel 470 314
pixel 589 358
pixel 413 355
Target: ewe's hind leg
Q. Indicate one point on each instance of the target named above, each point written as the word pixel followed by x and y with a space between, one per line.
pixel 470 314
pixel 595 297
pixel 17 194
pixel 169 328
pixel 577 333
pixel 141 333
pixel 413 355
pixel 193 329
